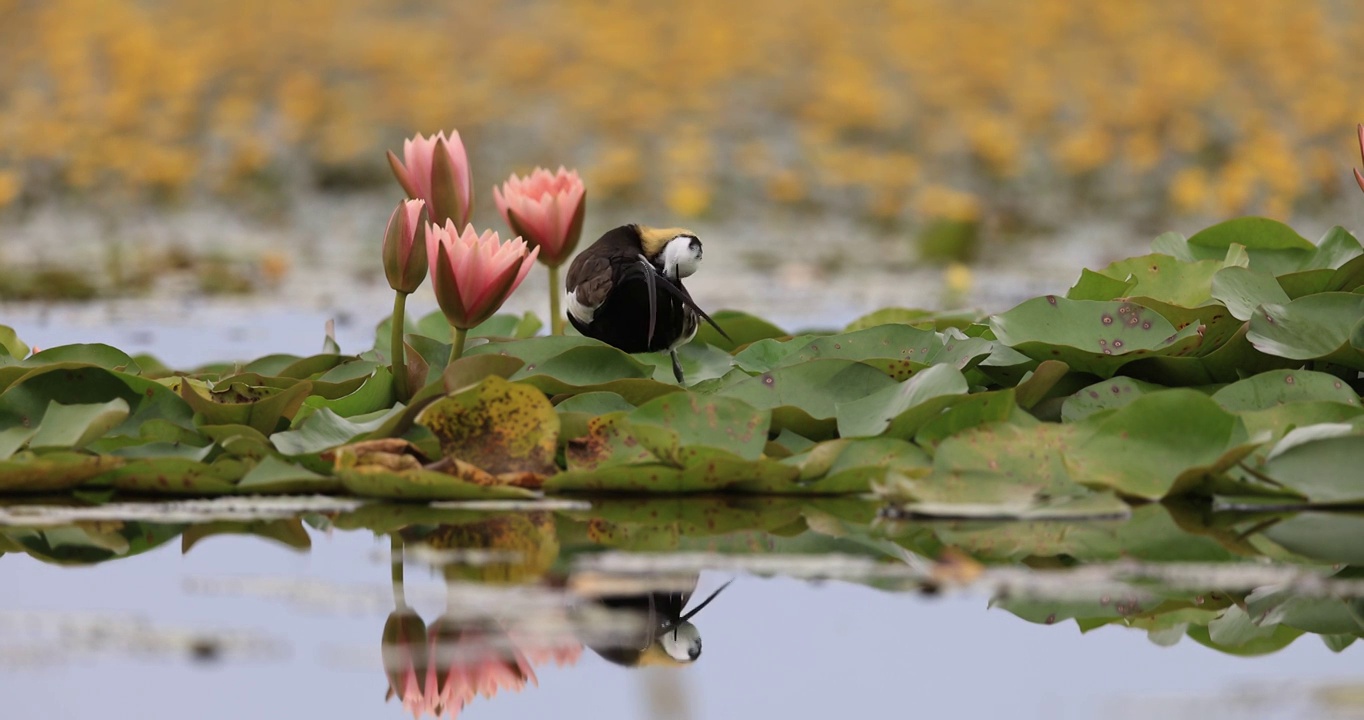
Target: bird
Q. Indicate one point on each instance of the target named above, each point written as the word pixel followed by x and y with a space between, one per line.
pixel 649 628
pixel 626 290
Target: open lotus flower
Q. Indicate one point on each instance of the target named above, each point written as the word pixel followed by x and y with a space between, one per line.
pixel 404 268
pixel 473 274
pixel 546 209
pixel 436 169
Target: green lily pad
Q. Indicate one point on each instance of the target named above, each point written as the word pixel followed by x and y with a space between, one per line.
pixel 1165 278
pixel 498 426
pixel 75 426
pixel 700 362
pixel 849 466
pixel 28 471
pixel 741 327
pixel 1100 286
pixel 326 429
pixel 11 345
pixel 177 476
pixel 422 485
pixel 1273 247
pixel 25 402
pixel 264 414
pixel 1279 387
pixel 1242 290
pixel 1107 395
pixel 805 397
pixel 274 476
pixel 939 320
pixel 1328 537
pixel 877 412
pixel 1091 336
pixel 1309 328
pixel 375 392
pixel 674 427
pixel 1324 469
pixel 96 354
pixel 1155 442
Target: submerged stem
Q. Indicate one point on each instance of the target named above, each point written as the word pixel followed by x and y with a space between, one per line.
pixel 457 336
pixel 556 318
pixel 397 351
pixel 395 558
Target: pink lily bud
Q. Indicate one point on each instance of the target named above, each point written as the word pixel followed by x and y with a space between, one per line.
pixel 546 209
pixel 404 268
pixel 1359 178
pixel 437 171
pixel 474 274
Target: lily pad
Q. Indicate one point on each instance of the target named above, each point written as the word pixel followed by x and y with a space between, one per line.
pixel 1091 336
pixel 741 327
pixel 877 412
pixel 1155 442
pixel 1273 247
pixel 1310 328
pixel 177 476
pixel 498 426
pixel 75 426
pixel 28 471
pixel 274 476
pixel 805 397
pixel 264 414
pixel 1279 387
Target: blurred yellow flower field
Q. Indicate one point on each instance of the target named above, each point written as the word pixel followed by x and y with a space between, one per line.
pixel 888 109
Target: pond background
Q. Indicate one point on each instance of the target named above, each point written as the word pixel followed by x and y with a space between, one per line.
pixel 205 181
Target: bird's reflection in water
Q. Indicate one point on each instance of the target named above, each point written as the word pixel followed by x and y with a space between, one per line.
pixel 662 632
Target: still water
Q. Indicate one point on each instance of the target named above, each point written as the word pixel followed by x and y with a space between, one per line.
pixel 282 617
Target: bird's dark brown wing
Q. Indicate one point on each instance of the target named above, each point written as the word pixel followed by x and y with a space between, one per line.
pixel 590 278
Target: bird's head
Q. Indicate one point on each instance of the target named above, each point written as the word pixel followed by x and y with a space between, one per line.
pixel 676 251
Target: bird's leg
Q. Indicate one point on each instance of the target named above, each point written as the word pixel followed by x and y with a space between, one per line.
pixel 677 366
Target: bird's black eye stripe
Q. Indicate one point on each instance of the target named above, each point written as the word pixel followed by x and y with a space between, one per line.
pixel 695 244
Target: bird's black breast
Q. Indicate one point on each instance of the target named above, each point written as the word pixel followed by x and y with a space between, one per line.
pixel 623 318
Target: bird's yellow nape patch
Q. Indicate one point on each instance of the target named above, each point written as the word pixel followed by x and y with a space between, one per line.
pixel 654 239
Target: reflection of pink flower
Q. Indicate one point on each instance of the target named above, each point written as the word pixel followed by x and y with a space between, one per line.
pixel 546 209
pixel 474 274
pixel 465 663
pixel 405 657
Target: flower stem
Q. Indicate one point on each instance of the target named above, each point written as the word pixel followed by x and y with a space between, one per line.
pixel 397 351
pixel 457 343
pixel 556 318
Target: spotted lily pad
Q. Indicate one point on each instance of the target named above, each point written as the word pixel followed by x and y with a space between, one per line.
pixel 27 471
pixel 805 397
pixel 1091 336
pixel 499 426
pixel 1280 387
pixel 177 476
pixel 264 410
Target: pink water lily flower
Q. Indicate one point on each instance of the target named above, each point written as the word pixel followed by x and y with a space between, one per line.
pixel 546 209
pixel 405 264
pixel 474 274
pixel 436 169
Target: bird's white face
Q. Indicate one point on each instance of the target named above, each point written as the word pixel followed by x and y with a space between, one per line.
pixel 681 256
pixel 683 643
